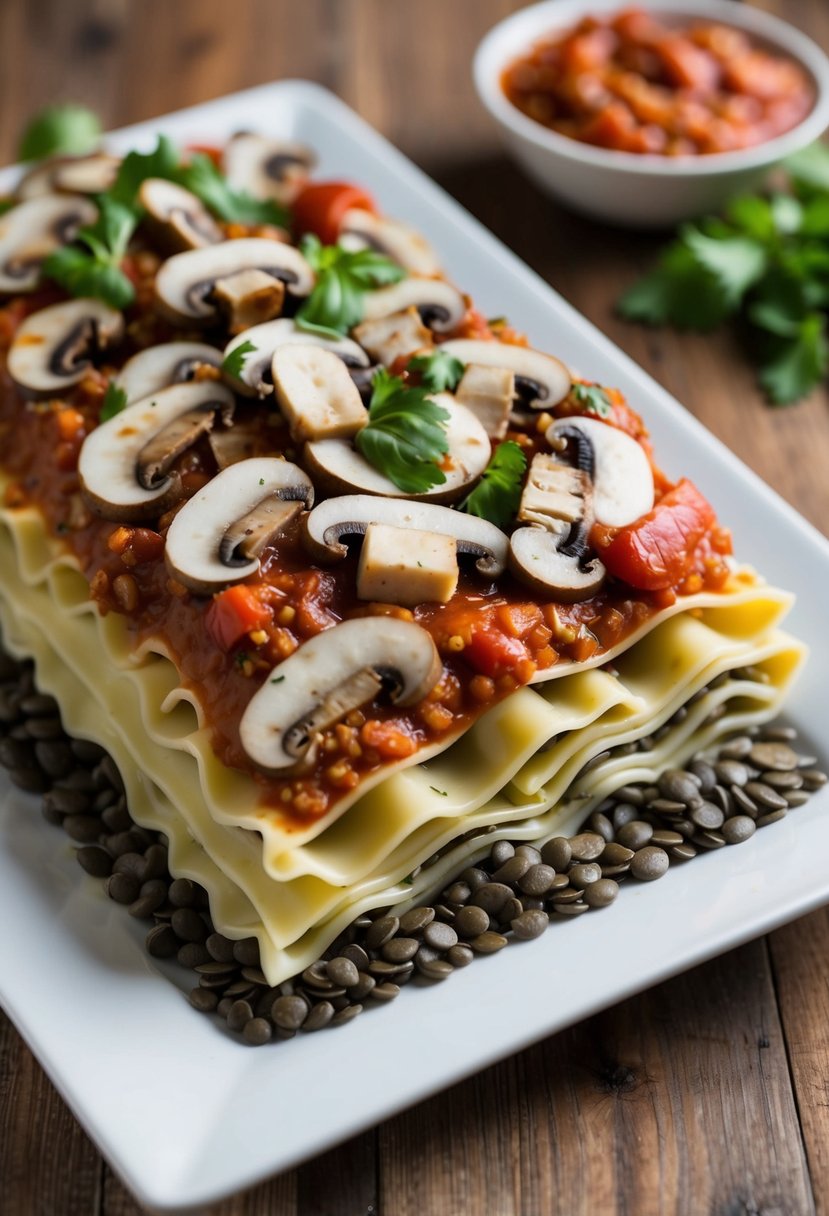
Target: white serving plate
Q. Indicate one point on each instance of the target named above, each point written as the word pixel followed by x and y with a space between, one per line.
pixel 122 1030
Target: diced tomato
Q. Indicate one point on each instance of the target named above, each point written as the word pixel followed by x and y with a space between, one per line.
pixel 391 739
pixel 320 207
pixel 493 653
pixel 233 613
pixel 658 550
pixel 688 66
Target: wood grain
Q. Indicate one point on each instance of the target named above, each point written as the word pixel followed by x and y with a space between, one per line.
pixel 706 1095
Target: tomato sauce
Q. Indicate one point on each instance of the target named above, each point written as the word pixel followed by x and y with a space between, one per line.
pixel 633 83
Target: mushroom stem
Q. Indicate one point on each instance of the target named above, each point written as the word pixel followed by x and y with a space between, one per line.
pixel 302 739
pixel 250 535
pixel 158 454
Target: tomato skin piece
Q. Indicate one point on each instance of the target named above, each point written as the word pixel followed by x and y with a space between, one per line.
pixel 320 207
pixel 233 613
pixel 493 653
pixel 657 551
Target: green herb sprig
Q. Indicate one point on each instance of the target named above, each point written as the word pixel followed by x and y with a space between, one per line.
pixel 343 278
pixel 592 399
pixel 233 363
pixel 62 130
pixel 201 176
pixel 498 493
pixel 115 400
pixel 91 265
pixel 405 435
pixel 439 371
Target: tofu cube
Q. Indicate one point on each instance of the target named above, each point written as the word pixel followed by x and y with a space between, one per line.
pixel 249 298
pixel 407 566
pixel 401 333
pixel 553 491
pixel 488 392
pixel 315 393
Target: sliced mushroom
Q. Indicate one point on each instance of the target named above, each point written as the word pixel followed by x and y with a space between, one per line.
pixel 267 168
pixel 337 671
pixel 256 378
pixel 489 392
pixel 53 348
pixel 217 537
pixel 32 230
pixel 159 366
pixel 125 463
pixel 338 468
pixel 351 514
pixel 617 464
pixel 542 379
pixel 185 284
pixel 555 562
pixel 363 230
pixel 176 219
pixel 94 173
pixel 387 338
pixel 440 305
pixel 315 393
pixel 248 298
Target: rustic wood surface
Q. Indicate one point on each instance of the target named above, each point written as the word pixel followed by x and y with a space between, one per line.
pixel 708 1094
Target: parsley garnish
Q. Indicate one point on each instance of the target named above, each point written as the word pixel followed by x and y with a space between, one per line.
pixel 765 263
pixel 209 184
pixel 277 679
pixel 69 130
pixel 91 265
pixel 6 204
pixel 136 167
pixel 498 493
pixel 435 790
pixel 593 399
pixel 343 277
pixel 439 371
pixel 406 434
pixel 115 400
pixel 234 362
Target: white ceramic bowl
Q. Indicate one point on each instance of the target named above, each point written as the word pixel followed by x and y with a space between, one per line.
pixel 626 188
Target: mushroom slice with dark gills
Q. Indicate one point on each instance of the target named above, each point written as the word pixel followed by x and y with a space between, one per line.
pixel 32 230
pixel 404 245
pixel 94 173
pixel 617 465
pixel 267 168
pixel 440 305
pixel 341 669
pixel 175 218
pixel 159 366
pixel 255 378
pixel 53 348
pixel 218 536
pixel 187 283
pixel 338 468
pixel 125 463
pixel 541 380
pixel 351 514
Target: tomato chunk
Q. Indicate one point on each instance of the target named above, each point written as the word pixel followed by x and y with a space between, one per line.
pixel 493 653
pixel 320 208
pixel 658 550
pixel 233 613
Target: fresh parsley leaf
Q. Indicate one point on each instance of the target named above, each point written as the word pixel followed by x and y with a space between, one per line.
pixel 751 214
pixel 736 262
pixel 405 435
pixel 435 790
pixel 680 292
pixel 439 371
pixel 6 204
pixel 799 363
pixel 208 183
pixel 593 399
pixel 68 130
pixel 96 269
pixel 115 400
pixel 498 493
pixel 277 679
pixel 343 277
pixel 810 166
pixel 136 167
pixel 233 363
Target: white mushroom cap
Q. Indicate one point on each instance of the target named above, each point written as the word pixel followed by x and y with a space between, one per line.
pixel 35 228
pixel 441 306
pixel 117 462
pixel 338 468
pixel 159 366
pixel 405 245
pixel 184 283
pixel 267 168
pixel 217 536
pixel 93 173
pixel 176 217
pixel 351 514
pixel 52 348
pixel 544 377
pixel 256 379
pixel 539 558
pixel 622 475
pixel 336 671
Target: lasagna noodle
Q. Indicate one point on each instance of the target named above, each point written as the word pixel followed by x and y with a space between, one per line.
pixel 513 774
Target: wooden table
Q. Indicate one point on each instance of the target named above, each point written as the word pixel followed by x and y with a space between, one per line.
pixel 708 1094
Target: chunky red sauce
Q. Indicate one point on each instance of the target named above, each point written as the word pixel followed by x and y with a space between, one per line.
pixel 634 83
pixel 492 638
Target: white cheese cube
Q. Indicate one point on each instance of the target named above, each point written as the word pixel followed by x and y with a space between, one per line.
pixel 553 491
pixel 316 395
pixel 401 333
pixel 407 566
pixel 488 392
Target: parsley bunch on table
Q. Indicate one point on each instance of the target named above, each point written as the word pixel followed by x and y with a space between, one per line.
pixel 765 265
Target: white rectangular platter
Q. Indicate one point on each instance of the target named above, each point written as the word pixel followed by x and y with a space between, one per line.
pixel 122 1026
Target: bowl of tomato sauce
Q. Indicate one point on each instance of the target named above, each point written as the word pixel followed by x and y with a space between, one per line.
pixel 645 116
